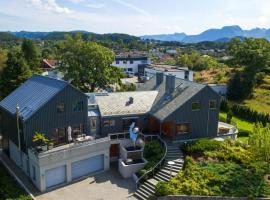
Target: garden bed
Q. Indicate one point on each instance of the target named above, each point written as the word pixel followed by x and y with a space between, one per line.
pixel 9 189
pixel 214 168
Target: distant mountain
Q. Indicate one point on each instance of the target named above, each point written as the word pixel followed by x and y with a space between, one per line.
pixel 30 35
pixel 224 34
pixel 178 37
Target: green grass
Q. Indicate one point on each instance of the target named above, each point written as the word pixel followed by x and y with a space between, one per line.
pixel 261 97
pixel 9 189
pixel 244 127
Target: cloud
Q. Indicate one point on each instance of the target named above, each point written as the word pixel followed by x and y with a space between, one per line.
pixel 49 5
pixel 133 7
pixel 76 1
pixel 96 5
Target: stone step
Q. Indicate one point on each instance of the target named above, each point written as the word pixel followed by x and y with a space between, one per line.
pixel 146 192
pixel 150 185
pixel 149 189
pixel 175 170
pixel 161 177
pixel 174 154
pixel 163 174
pixel 140 195
pixel 168 171
pixel 152 181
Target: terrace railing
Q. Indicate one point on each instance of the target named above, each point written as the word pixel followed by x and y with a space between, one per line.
pixel 151 172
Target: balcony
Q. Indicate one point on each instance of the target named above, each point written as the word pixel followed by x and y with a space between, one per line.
pixel 69 151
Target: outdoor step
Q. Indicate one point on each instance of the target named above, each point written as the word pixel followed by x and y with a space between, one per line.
pixel 174 153
pixel 150 185
pixel 146 192
pixel 149 189
pixel 157 178
pixel 168 171
pixel 141 194
pixel 162 178
pixel 163 174
pixel 173 169
pixel 177 167
pixel 152 181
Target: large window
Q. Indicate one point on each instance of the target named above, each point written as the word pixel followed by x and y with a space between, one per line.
pixel 183 128
pixel 60 108
pixel 59 136
pixel 213 104
pixel 78 106
pixel 196 105
pixel 108 123
pixel 131 61
pixel 130 69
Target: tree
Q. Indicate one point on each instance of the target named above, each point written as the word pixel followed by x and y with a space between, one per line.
pixel 15 72
pixel 235 88
pixel 87 65
pixel 259 141
pixel 31 54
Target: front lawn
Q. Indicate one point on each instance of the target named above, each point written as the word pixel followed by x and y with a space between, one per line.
pixel 215 168
pixel 244 127
pixel 9 189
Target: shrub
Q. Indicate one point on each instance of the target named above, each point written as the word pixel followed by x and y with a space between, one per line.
pixel 199 146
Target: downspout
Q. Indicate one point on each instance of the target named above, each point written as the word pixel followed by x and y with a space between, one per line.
pixel 208 122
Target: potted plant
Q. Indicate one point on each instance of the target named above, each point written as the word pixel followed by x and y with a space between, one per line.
pixel 42 140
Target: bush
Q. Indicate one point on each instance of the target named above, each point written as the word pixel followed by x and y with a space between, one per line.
pixel 199 146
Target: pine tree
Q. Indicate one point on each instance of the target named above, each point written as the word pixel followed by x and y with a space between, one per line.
pixel 235 88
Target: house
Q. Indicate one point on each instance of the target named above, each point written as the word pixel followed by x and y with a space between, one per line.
pixel 51 106
pixel 179 72
pixel 130 63
pixel 182 110
pixel 88 129
pixel 48 64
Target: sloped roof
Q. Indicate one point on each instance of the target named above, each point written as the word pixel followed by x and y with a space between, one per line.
pixel 165 104
pixel 118 103
pixel 32 95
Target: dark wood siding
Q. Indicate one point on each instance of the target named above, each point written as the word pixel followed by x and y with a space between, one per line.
pixel 46 119
pixel 204 122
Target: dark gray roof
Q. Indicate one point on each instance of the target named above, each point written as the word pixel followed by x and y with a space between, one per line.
pixel 32 95
pixel 165 104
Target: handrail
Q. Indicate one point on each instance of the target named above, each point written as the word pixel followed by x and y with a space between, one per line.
pixel 158 164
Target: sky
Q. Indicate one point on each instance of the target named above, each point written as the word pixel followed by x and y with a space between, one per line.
pixel 136 17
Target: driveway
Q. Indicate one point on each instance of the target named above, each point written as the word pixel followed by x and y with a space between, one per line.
pixel 107 185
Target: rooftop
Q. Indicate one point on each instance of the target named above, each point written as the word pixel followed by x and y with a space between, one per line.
pixel 32 94
pixel 167 68
pixel 126 103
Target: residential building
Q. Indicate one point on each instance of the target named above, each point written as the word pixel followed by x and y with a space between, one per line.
pixel 130 63
pixel 87 129
pixel 179 72
pixel 48 64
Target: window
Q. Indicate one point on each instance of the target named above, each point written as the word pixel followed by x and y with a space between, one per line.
pixel 182 128
pixel 60 108
pixel 213 104
pixel 108 123
pixel 196 105
pixel 59 136
pixel 131 61
pixel 93 124
pixel 78 106
pixel 117 62
pixel 130 69
pixel 124 62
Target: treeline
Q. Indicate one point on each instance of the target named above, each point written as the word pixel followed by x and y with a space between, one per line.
pixel 245 113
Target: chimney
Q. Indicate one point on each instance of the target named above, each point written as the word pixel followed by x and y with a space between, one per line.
pixel 159 78
pixel 170 83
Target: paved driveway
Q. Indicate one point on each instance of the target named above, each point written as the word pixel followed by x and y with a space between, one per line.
pixel 107 185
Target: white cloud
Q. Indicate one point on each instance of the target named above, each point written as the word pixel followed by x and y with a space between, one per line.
pixel 49 5
pixel 76 1
pixel 96 5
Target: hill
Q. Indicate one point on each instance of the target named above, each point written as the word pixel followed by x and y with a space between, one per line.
pixel 224 34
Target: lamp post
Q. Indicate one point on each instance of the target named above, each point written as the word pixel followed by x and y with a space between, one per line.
pixel 171 163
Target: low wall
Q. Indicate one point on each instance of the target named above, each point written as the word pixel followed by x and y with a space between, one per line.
pixel 182 197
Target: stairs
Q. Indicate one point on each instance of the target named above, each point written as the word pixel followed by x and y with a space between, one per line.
pixel 147 189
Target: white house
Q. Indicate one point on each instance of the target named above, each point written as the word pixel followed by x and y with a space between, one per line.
pixel 183 72
pixel 130 64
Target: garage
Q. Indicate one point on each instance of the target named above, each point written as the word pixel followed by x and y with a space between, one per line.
pixel 55 176
pixel 87 166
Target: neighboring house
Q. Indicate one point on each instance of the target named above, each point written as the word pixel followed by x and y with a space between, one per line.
pixel 130 64
pixel 48 65
pixel 172 107
pixel 220 89
pixel 50 106
pixel 179 72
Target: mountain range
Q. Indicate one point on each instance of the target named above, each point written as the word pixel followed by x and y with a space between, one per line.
pixel 223 34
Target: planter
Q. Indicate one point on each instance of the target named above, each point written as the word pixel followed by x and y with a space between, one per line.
pixel 50 146
pixel 44 147
pixel 127 170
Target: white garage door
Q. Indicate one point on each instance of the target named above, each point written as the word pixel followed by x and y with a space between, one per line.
pixel 55 176
pixel 87 166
